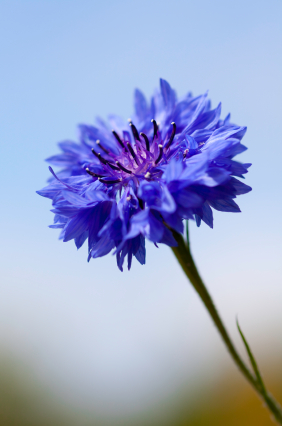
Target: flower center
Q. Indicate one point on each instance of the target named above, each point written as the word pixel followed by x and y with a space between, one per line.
pixel 139 159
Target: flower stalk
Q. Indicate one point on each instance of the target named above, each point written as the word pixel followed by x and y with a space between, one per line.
pixel 184 257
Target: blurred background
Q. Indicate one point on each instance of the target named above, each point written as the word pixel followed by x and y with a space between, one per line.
pixel 84 344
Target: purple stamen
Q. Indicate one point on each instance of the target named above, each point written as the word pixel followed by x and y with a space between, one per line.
pixel 134 132
pixel 146 141
pixel 98 155
pixel 101 146
pixel 132 153
pixel 155 128
pixel 92 173
pixel 103 161
pixel 160 154
pixel 123 168
pixel 118 138
pixel 171 136
pixel 141 203
pixel 112 166
pixel 109 182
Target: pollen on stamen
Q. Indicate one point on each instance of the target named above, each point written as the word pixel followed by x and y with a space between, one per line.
pixel 147 175
pixel 128 198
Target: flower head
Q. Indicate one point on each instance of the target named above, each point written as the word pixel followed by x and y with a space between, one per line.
pixel 172 161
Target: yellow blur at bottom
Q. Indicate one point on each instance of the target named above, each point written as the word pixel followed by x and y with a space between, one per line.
pixel 228 401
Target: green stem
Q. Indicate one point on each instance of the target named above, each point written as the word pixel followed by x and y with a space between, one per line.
pixel 184 257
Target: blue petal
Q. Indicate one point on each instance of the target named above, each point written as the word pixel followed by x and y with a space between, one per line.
pixel 238 169
pixel 102 247
pixel 226 120
pixel 208 120
pixel 237 149
pixel 120 257
pixel 213 177
pixel 93 192
pixel 226 205
pixel 198 220
pixel 199 110
pixel 62 160
pixel 173 170
pixel 80 240
pixel 77 225
pixel 187 198
pixel 220 147
pixel 66 210
pixel 140 103
pixel 100 213
pixel 240 187
pixel 74 198
pixel 140 254
pixel 57 226
pixel 156 196
pixel 70 146
pixel 51 190
pixel 155 230
pixel 191 142
pixel 202 135
pixel 226 132
pixel 168 238
pixel 174 221
pixel 207 215
pixel 168 94
pixel 147 224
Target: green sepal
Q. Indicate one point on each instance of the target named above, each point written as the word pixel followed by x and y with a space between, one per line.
pixel 252 359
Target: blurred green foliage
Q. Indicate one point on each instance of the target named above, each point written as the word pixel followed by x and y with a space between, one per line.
pixel 228 401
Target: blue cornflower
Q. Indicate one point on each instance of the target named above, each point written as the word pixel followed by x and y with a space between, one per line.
pixel 173 161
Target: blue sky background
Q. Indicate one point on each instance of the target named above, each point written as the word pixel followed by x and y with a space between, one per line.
pixel 126 340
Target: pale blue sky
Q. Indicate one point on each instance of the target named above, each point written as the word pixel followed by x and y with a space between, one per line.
pixel 63 63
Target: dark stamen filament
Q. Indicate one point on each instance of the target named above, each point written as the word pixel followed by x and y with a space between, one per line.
pixel 101 146
pixel 109 182
pixel 172 135
pixel 146 141
pixel 123 168
pixel 160 154
pixel 134 132
pixel 99 156
pixel 112 166
pixel 118 138
pixel 155 128
pixel 141 203
pixel 132 153
pixel 92 173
